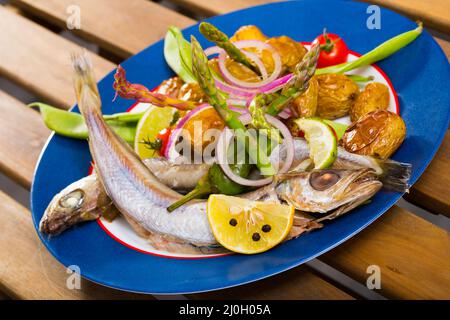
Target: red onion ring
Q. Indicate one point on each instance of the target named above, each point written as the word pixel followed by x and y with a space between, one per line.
pixel 227 135
pixel 276 84
pixel 249 44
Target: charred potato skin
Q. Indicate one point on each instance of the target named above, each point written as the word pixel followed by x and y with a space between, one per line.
pixel 191 92
pixel 290 51
pixel 305 105
pixel 337 94
pixel 249 32
pixel 378 134
pixel 374 97
pixel 170 87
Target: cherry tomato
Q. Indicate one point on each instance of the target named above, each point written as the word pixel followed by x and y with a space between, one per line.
pixel 333 50
pixel 163 139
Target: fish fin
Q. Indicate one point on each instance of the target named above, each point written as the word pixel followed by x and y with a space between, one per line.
pixel 395 175
pixel 85 85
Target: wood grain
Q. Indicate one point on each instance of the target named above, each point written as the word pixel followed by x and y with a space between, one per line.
pixel 122 27
pixel 214 7
pixel 431 191
pixel 413 256
pixel 295 284
pixel 28 271
pixel 39 60
pixel 22 136
pixel 434 13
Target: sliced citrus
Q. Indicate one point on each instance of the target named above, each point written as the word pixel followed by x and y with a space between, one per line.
pixel 321 139
pixel 247 226
pixel 152 122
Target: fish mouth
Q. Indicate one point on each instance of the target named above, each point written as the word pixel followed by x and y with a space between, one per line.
pixel 363 183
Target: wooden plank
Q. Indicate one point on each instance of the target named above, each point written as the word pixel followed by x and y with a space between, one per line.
pixel 129 27
pixel 412 254
pixel 434 13
pixel 295 284
pixel 214 7
pixel 39 60
pixel 28 271
pixel 21 130
pixel 432 190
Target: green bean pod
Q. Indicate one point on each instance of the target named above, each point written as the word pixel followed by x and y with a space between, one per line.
pixel 72 125
pixel 381 52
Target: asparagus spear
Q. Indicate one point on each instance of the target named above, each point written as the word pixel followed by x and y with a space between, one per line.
pixel 206 81
pixel 221 39
pixel 298 84
pixel 259 121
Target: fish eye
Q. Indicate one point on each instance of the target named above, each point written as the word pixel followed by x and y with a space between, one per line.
pixel 323 180
pixel 72 200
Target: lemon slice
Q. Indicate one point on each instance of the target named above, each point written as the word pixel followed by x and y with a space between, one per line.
pixel 321 139
pixel 152 122
pixel 247 226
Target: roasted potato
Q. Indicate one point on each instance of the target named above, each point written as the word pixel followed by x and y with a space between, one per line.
pixel 236 69
pixel 374 97
pixel 170 87
pixel 249 33
pixel 306 104
pixel 293 127
pixel 337 94
pixel 378 134
pixel 198 126
pixel 290 51
pixel 191 92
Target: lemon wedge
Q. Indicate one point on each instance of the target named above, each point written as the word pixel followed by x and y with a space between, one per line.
pixel 247 226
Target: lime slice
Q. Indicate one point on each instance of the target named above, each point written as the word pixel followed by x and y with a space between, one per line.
pixel 152 122
pixel 339 128
pixel 321 139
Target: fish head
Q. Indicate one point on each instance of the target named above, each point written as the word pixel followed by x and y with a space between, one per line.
pixel 77 202
pixel 326 190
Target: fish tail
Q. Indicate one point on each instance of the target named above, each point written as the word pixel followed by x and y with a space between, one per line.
pixel 395 175
pixel 86 89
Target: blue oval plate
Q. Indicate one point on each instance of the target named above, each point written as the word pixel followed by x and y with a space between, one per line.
pixel 420 74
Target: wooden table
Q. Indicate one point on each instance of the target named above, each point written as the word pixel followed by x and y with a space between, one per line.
pixel 413 254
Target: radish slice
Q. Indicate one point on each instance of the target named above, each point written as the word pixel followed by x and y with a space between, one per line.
pixel 224 142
